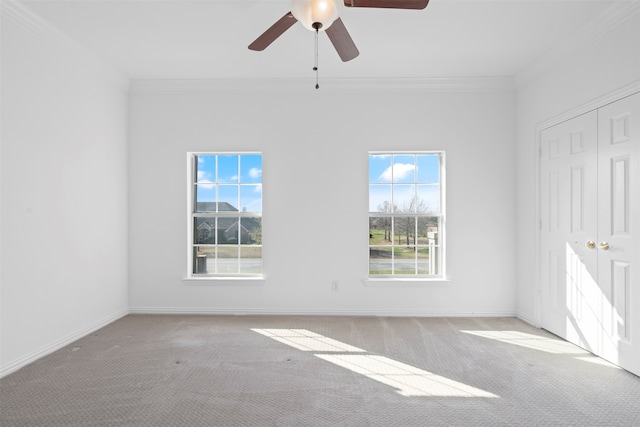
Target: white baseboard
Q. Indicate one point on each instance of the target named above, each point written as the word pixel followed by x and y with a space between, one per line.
pixel 315 312
pixel 58 344
pixel 527 319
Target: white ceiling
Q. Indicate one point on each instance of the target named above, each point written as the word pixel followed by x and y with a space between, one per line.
pixel 208 39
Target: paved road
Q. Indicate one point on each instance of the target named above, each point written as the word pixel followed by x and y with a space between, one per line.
pixel 248 265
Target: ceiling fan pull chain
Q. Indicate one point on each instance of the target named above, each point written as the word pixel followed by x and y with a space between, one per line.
pixel 315 68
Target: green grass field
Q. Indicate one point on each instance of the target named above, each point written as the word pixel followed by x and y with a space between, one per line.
pixel 399 250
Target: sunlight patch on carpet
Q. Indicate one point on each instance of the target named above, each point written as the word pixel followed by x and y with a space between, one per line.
pixel 406 379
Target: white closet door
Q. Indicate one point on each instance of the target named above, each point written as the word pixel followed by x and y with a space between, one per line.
pixel 590 237
pixel 618 230
pixel 569 183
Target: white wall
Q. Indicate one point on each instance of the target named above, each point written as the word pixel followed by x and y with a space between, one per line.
pixel 64 191
pixel 315 146
pixel 610 62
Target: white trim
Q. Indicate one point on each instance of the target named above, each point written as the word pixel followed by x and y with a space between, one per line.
pixel 20 15
pixel 60 343
pixel 405 282
pixel 612 18
pixel 354 312
pixel 527 319
pixel 225 280
pixel 430 85
pixel 594 104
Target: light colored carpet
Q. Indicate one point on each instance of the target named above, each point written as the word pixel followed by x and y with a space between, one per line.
pixel 156 370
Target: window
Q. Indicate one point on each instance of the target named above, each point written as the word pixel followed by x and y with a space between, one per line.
pixel 225 214
pixel 406 214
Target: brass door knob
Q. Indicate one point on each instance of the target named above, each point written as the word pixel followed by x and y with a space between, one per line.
pixel 590 244
pixel 604 246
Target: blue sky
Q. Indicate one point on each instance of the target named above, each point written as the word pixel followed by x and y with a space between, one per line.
pixel 400 177
pixel 236 179
pixel 407 168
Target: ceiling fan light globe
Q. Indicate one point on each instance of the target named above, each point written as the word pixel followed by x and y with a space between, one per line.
pixel 309 12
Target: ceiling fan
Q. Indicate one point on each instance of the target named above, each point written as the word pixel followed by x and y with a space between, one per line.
pixel 323 15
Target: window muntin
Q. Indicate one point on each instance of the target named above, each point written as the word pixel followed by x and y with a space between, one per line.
pixel 225 214
pixel 406 214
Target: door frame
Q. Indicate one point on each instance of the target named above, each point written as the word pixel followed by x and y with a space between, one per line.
pixel 599 102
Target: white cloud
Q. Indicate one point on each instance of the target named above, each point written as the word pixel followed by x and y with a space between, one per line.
pixel 400 171
pixel 204 181
pixel 206 184
pixel 258 188
pixel 255 173
pixel 233 179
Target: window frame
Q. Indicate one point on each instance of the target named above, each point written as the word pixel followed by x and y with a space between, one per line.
pixel 192 214
pixel 440 215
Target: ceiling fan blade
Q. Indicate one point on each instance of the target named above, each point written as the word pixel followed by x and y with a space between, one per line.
pixel 389 4
pixel 342 41
pixel 275 31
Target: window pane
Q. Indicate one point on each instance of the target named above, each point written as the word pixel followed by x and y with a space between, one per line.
pixel 227 261
pixel 379 168
pixel 404 259
pixel 426 228
pixel 204 259
pixel 428 253
pixel 251 168
pixel 429 168
pixel 251 231
pixel 404 230
pixel 429 198
pixel 228 198
pixel 251 198
pixel 205 168
pixel 380 231
pixel 380 198
pixel 205 196
pixel 380 260
pixel 204 231
pixel 423 260
pixel 228 231
pixel 228 168
pixel 250 259
pixel 404 197
pixel 404 168
pixel 428 260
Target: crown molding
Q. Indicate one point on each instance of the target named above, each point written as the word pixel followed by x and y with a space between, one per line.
pixel 17 13
pixel 615 16
pixel 427 85
pixel 622 92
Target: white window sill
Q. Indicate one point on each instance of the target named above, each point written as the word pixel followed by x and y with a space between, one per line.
pixel 399 282
pixel 225 280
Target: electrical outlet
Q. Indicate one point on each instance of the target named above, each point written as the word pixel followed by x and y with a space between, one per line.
pixel 334 285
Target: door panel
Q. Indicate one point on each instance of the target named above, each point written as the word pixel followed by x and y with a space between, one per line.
pixel 569 221
pixel 618 222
